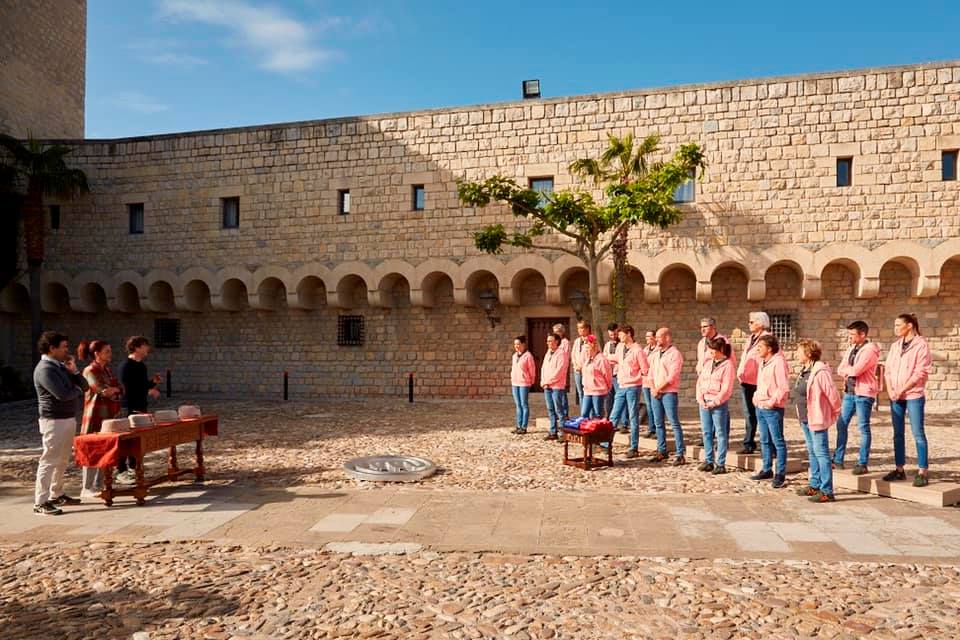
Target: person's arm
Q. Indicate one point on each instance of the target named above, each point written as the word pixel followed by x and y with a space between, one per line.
pixel 59 387
pixel 864 364
pixel 921 369
pixel 531 368
pixel 781 376
pixel 726 385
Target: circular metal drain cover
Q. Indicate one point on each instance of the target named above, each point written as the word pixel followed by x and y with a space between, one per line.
pixel 390 468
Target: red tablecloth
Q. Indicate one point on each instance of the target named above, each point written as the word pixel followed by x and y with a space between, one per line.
pixel 103 449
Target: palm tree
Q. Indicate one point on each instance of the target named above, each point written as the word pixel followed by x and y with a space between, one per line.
pixel 38 169
pixel 622 161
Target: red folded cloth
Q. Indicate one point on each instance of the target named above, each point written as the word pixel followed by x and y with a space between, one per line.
pixel 97 450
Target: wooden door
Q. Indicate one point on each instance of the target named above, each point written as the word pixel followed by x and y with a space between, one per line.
pixel 537 331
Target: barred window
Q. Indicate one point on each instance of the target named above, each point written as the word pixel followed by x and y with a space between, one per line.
pixel 782 326
pixel 166 333
pixel 350 331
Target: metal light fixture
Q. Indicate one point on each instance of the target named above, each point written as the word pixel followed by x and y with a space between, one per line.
pixel 578 302
pixel 488 302
pixel 531 89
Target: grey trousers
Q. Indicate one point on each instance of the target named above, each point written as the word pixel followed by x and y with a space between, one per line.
pixel 57 445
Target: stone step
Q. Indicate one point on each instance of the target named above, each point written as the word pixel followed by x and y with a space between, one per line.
pixel 935 494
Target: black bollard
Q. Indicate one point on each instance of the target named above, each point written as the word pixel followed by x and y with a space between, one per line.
pixel 169 384
pixel 410 388
pixel 286 385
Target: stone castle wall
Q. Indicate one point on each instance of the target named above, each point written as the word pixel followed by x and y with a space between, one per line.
pixel 769 230
pixel 42 68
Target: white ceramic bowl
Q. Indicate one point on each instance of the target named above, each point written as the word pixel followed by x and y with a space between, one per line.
pixel 188 411
pixel 120 425
pixel 141 420
pixel 165 415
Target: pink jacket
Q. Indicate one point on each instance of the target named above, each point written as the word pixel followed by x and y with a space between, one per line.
pixel 615 357
pixel 647 380
pixel 907 373
pixel 578 353
pixel 597 376
pixel 553 372
pixel 633 366
pixel 665 369
pixel 747 371
pixel 523 373
pixel 704 357
pixel 773 382
pixel 864 369
pixel 823 401
pixel 715 383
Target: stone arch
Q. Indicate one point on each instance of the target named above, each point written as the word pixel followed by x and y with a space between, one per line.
pixel 678 284
pixel 529 287
pixel 196 296
pixel 55 296
pixel 634 288
pixel 841 279
pixel 160 297
pixel 429 285
pixel 352 291
pixel 950 279
pixel 944 253
pixel 311 293
pixel 344 280
pixel 783 281
pixel 271 294
pixel 799 259
pixel 730 283
pixel 15 298
pixel 916 258
pixel 428 275
pixel 92 298
pixel 232 295
pixel 388 275
pixel 476 282
pixel 127 298
pixel 898 279
pixel 573 277
pixel 518 270
pixel 478 268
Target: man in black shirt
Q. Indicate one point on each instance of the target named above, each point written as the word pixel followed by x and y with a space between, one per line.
pixel 137 386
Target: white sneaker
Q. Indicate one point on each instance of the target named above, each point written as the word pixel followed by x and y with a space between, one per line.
pixel 127 477
pixel 92 494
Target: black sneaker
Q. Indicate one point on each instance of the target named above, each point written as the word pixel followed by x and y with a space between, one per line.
pixel 837 465
pixel 763 475
pixel 631 453
pixel 719 470
pixel 705 466
pixel 659 457
pixel 64 500
pixel 894 476
pixel 779 481
pixel 679 461
pixel 920 480
pixel 860 469
pixel 624 429
pixel 550 436
pixel 746 451
pixel 46 509
pixel 650 435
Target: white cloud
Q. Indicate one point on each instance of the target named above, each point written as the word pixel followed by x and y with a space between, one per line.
pixel 133 101
pixel 165 52
pixel 283 43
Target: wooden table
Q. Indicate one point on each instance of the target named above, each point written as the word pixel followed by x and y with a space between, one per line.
pixel 105 450
pixel 588 440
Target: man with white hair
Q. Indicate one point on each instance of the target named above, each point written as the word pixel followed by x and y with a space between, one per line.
pixel 759 325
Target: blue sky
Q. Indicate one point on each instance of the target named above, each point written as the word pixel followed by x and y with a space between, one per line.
pixel 156 66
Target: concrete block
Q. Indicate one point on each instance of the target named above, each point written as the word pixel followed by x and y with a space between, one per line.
pixel 935 494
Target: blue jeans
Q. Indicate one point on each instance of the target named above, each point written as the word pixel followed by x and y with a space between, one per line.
pixel 554 400
pixel 521 397
pixel 898 411
pixel 566 403
pixel 818 454
pixel 648 400
pixel 608 401
pixel 715 422
pixel 666 406
pixel 578 385
pixel 750 415
pixel 770 426
pixel 626 401
pixel 863 405
pixel 592 407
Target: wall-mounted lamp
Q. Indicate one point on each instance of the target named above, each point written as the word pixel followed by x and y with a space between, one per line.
pixel 578 302
pixel 488 302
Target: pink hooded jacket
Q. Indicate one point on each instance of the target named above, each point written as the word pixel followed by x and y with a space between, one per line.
pixel 523 372
pixel 823 400
pixel 864 369
pixel 750 364
pixel 907 372
pixel 665 369
pixel 704 357
pixel 553 372
pixel 773 382
pixel 597 376
pixel 633 366
pixel 579 353
pixel 715 383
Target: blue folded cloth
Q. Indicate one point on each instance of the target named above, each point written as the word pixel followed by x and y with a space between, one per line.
pixel 573 423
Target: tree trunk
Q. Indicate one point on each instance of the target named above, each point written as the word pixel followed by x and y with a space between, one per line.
pixel 619 251
pixel 593 265
pixel 36 319
pixel 33 236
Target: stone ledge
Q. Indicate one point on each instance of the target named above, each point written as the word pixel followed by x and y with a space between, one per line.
pixel 935 494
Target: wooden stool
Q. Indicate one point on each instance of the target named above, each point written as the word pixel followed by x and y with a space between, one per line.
pixel 588 440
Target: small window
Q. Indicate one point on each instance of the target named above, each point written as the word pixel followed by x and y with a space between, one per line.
pixel 419 197
pixel 231 212
pixel 343 201
pixel 136 217
pixel 781 325
pixel 687 191
pixel 949 160
pixel 166 333
pixel 542 185
pixel 54 216
pixel 350 331
pixel 844 172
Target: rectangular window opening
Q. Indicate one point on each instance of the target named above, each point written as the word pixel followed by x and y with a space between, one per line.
pixel 419 197
pixel 844 172
pixel 350 331
pixel 949 165
pixel 782 326
pixel 343 202
pixel 166 333
pixel 230 208
pixel 135 212
pixel 54 216
pixel 686 192
pixel 542 185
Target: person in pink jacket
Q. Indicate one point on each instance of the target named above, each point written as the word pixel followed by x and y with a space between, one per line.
pixel 714 388
pixel 665 365
pixel 759 325
pixel 818 405
pixel 553 379
pixel 597 379
pixel 633 366
pixel 907 369
pixel 646 411
pixel 858 368
pixel 708 331
pixel 773 390
pixel 523 373
pixel 561 330
pixel 578 355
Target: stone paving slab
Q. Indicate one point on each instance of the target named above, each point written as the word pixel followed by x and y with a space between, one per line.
pixel 935 494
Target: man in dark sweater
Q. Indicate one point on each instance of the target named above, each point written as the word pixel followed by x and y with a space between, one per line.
pixel 59 389
pixel 137 386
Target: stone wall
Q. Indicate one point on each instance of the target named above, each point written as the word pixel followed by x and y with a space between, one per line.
pixel 42 68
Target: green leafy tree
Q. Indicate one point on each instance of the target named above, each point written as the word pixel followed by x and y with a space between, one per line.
pixel 37 169
pixel 574 222
pixel 622 161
